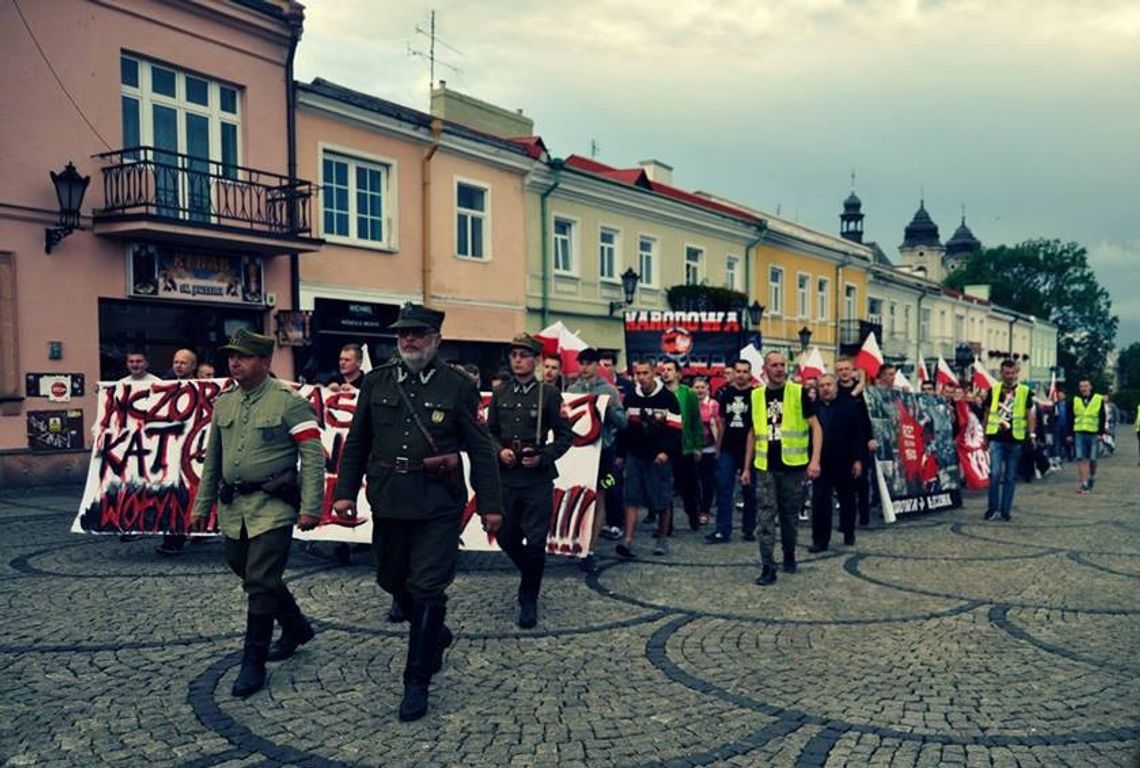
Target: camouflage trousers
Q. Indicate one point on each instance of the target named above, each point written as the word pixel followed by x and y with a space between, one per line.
pixel 778 494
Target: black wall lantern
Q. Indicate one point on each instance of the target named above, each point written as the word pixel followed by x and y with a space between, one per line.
pixel 755 313
pixel 629 281
pixel 69 188
pixel 805 338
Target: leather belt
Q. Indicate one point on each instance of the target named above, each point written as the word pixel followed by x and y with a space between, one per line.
pixel 402 465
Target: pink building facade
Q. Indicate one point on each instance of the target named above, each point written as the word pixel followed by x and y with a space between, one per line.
pixel 193 222
pixel 411 208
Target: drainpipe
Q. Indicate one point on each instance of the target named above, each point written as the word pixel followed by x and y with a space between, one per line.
pixel 555 165
pixel 918 318
pixel 425 172
pixel 838 300
pixel 1011 324
pixel 296 18
pixel 753 244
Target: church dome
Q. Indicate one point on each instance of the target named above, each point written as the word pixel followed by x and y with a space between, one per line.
pixel 963 241
pixel 922 230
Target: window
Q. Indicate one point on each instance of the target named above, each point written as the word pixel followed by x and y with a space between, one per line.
pixel 959 328
pixel 874 310
pixel 563 245
pixel 803 294
pixel 943 325
pixel 906 319
pixel 892 312
pixel 176 113
pixel 924 325
pixel 355 199
pixel 731 272
pixel 775 291
pixel 472 205
pixel 608 248
pixel 646 256
pixel 823 297
pixel 850 301
pixel 693 258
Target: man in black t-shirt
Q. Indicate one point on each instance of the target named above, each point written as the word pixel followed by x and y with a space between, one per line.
pixel 784 445
pixel 847 386
pixel 735 419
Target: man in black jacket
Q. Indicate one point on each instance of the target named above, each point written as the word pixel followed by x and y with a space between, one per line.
pixel 843 437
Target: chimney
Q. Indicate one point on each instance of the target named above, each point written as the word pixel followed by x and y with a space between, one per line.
pixel 657 171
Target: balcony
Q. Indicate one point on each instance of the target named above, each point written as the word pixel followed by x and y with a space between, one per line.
pixel 852 334
pixel 160 196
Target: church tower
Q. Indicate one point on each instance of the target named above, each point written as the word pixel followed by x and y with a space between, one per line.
pixel 921 251
pixel 961 245
pixel 851 220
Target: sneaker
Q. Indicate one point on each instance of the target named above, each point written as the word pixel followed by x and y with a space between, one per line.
pixel 767 576
pixel 990 514
pixel 816 548
pixel 662 547
pixel 625 551
pixel 1005 516
pixel 716 538
pixel 588 564
pixel 1082 491
pixel 1092 482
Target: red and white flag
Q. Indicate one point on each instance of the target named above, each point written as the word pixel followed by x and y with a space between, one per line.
pixel 811 365
pixel 943 376
pixel 981 377
pixel 558 340
pixel 1053 387
pixel 901 382
pixel 870 357
pixel 923 374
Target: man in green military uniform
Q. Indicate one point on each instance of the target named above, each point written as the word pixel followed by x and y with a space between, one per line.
pixel 413 416
pixel 260 428
pixel 523 410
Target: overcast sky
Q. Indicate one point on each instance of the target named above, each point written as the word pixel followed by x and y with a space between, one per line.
pixel 1027 112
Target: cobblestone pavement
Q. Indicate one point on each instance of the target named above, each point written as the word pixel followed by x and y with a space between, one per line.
pixel 941 640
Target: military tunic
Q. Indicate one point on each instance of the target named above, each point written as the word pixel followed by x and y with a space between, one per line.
pixel 253 436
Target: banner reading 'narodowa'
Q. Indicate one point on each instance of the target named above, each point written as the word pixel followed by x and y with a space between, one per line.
pixel 150 441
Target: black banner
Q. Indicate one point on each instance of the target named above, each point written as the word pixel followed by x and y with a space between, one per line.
pixel 701 342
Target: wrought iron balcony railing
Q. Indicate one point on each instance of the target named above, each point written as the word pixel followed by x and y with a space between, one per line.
pixel 185 189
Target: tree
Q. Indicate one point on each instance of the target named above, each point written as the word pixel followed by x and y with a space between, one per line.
pixel 1130 366
pixel 1053 281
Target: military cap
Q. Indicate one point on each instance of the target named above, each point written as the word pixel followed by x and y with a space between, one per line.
pixel 589 355
pixel 247 342
pixel 418 316
pixel 527 342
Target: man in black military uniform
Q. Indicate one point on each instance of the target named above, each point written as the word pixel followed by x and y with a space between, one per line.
pixel 259 429
pixel 413 416
pixel 523 410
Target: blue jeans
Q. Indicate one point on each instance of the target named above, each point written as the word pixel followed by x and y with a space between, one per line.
pixel 727 466
pixel 1003 469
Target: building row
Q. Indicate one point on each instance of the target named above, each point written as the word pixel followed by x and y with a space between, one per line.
pixel 218 193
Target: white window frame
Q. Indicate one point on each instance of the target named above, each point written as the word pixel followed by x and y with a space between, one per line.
pixel 388 212
pixel 776 292
pixel 616 253
pixel 485 215
pixel 823 298
pixel 694 270
pixel 803 295
pixel 732 272
pixel 924 318
pixel 850 301
pixel 654 279
pixel 892 318
pixel 572 244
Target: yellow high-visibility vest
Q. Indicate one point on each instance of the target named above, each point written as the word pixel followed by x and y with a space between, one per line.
pixel 793 428
pixel 1020 407
pixel 1086 418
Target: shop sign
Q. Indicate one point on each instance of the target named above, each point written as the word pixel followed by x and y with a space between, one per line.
pixel 355 318
pixel 168 273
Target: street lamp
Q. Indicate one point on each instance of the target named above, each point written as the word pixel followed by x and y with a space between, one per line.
pixel 805 338
pixel 629 280
pixel 69 188
pixel 755 313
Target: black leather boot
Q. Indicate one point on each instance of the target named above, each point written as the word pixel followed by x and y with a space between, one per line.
pixel 529 586
pixel 396 612
pixel 423 648
pixel 295 628
pixel 258 633
pixel 789 561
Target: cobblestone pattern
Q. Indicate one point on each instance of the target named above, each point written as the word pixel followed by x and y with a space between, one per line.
pixel 941 640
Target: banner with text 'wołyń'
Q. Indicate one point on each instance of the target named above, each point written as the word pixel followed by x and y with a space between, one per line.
pixel 150 442
pixel 702 343
pixel 917 458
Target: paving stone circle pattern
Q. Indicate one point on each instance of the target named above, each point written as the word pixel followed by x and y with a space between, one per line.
pixel 940 640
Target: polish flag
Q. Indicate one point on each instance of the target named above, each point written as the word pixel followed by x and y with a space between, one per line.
pixel 923 374
pixel 756 360
pixel 1052 387
pixel 365 360
pixel 943 376
pixel 982 378
pixel 557 339
pixel 901 382
pixel 811 365
pixel 870 358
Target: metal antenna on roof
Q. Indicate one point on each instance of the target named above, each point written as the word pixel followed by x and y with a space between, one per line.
pixel 852 179
pixel 595 147
pixel 430 55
